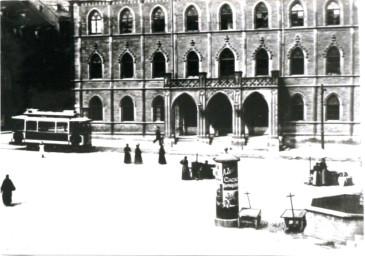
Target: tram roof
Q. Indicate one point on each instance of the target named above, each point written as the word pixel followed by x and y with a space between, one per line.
pixel 64 113
pixel 51 119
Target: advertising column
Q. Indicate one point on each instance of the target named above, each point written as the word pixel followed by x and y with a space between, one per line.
pixel 226 174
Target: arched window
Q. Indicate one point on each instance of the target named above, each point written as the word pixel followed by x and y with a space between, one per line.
pixel 126 66
pixel 159 65
pixel 333 14
pixel 226 17
pixel 333 61
pixel 192 64
pixel 95 109
pixel 158 109
pixel 261 16
pixel 262 63
pixel 297 108
pixel 297 62
pixel 126 22
pixel 127 109
pixel 333 108
pixel 158 20
pixel 192 19
pixel 297 15
pixel 95 66
pixel 226 63
pixel 95 23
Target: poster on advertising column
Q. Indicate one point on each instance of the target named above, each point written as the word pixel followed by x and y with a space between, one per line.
pixel 227 191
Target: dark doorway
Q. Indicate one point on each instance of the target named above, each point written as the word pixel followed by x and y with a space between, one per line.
pixel 256 114
pixel 220 114
pixel 185 115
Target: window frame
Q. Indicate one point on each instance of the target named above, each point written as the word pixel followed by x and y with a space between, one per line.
pixel 328 108
pixel 295 107
pixel 328 63
pixel 154 66
pixel 122 63
pixel 155 106
pixel 91 65
pixel 131 109
pixel 153 24
pixel 233 59
pixel 293 64
pixel 132 21
pixel 257 62
pixel 296 11
pixel 97 22
pixel 255 16
pixel 91 113
pixel 186 16
pixel 326 13
pixel 220 17
pixel 188 68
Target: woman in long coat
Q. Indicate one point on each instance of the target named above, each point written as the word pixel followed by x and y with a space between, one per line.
pixel 127 155
pixel 7 189
pixel 161 155
pixel 185 169
pixel 138 155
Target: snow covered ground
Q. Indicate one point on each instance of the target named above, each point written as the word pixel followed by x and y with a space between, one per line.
pixel 92 203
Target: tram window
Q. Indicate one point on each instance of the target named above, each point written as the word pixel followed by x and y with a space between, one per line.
pixel 46 127
pixel 62 127
pixel 31 126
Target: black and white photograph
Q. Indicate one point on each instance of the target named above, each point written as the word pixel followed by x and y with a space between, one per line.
pixel 182 127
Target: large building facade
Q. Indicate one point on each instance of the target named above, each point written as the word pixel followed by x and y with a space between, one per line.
pixel 243 68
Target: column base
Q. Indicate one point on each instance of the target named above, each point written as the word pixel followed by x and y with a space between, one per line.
pixel 230 223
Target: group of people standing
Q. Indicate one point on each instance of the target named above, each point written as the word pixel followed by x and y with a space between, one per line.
pixel 138 152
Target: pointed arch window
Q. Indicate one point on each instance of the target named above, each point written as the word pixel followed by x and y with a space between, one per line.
pixel 192 64
pixel 158 20
pixel 126 22
pixel 262 63
pixel 226 63
pixel 261 16
pixel 159 65
pixel 333 108
pixel 297 108
pixel 333 14
pixel 226 18
pixel 297 62
pixel 126 66
pixel 192 19
pixel 95 109
pixel 95 23
pixel 333 61
pixel 95 67
pixel 127 109
pixel 158 109
pixel 297 15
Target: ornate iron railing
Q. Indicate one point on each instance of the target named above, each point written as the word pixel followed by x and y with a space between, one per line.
pixel 220 82
pixel 189 83
pixel 257 81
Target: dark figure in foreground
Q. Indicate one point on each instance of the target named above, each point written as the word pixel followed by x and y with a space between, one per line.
pixel 127 155
pixel 158 135
pixel 7 189
pixel 161 155
pixel 138 155
pixel 185 169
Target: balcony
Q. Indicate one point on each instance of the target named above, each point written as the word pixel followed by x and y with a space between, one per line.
pixel 236 81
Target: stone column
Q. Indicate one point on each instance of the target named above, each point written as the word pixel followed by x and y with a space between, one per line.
pixel 167 84
pixel 202 125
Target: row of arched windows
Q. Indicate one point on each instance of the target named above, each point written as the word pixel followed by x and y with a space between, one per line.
pixel 226 64
pixel 226 18
pixel 127 109
pixel 298 107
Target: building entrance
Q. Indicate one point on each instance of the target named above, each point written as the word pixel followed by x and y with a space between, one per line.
pixel 220 114
pixel 184 121
pixel 256 114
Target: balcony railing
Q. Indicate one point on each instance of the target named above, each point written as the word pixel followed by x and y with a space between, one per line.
pixel 235 81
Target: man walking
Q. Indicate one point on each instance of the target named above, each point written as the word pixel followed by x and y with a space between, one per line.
pixel 7 189
pixel 158 135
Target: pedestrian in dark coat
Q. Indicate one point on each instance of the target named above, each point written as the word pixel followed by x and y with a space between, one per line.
pixel 185 169
pixel 138 155
pixel 158 135
pixel 161 155
pixel 127 155
pixel 7 189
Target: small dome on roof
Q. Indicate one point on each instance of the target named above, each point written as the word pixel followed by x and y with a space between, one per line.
pixel 226 157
